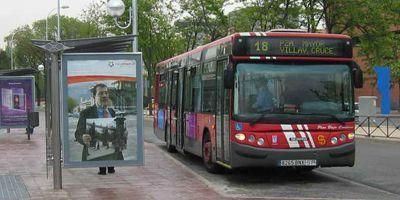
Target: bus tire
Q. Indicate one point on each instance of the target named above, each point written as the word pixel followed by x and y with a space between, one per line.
pixel 170 147
pixel 207 153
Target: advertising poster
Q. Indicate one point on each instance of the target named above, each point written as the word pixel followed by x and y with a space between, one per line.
pixel 103 113
pixel 17 100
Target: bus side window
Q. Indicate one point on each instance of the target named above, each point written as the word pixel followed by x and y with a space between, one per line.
pixel 162 91
pixel 209 87
pixel 189 90
pixel 196 89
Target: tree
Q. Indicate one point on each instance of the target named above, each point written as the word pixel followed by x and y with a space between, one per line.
pixel 93 17
pixel 264 15
pixel 158 39
pixel 4 60
pixel 208 15
pixel 27 55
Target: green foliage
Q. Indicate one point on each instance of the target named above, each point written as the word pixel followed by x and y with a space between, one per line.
pixel 71 104
pixel 379 44
pixel 93 18
pixel 208 15
pixel 263 15
pixel 4 60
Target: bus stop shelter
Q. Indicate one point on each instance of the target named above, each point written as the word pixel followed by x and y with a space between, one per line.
pixel 53 50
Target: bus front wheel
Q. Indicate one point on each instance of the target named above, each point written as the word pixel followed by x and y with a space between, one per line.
pixel 207 156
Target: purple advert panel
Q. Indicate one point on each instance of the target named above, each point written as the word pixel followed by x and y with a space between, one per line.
pixel 16 98
pixel 191 129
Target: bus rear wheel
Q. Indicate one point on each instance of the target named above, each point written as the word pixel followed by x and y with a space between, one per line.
pixel 207 156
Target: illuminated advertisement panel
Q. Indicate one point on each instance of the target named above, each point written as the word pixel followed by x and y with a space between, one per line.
pixel 17 100
pixel 103 113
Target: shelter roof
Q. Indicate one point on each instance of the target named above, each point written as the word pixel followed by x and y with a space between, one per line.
pixel 18 72
pixel 91 45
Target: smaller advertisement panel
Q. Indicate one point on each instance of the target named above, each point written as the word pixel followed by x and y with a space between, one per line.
pixel 17 100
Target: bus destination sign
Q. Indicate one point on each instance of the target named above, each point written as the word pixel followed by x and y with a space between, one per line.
pixel 305 47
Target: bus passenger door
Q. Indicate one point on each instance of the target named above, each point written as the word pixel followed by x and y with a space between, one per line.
pixel 174 106
pixel 179 109
pixel 222 115
pixel 191 89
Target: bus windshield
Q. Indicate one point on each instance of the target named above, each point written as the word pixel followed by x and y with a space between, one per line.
pixel 293 90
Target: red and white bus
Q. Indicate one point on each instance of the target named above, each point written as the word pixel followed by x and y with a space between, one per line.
pixel 207 101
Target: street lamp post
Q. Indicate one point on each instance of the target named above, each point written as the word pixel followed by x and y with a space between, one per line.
pixel 116 8
pixel 58 20
pixel 47 20
pixel 12 48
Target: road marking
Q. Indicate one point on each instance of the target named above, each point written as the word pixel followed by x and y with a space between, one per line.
pixel 333 176
pixel 223 190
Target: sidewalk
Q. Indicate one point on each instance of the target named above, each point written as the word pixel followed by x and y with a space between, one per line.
pixel 159 178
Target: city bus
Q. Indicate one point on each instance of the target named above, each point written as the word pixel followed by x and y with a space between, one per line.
pixel 207 101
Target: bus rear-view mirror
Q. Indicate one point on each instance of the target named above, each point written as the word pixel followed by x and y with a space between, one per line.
pixel 357 76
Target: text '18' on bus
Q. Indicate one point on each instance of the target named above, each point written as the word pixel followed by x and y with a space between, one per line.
pixel 261 99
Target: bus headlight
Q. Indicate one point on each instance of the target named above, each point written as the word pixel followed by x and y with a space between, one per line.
pixel 350 136
pixel 252 138
pixel 240 136
pixel 334 140
pixel 342 137
pixel 260 141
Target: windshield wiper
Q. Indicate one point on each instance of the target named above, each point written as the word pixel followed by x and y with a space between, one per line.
pixel 263 114
pixel 320 114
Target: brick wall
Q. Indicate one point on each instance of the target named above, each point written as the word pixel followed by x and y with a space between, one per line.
pixel 370 88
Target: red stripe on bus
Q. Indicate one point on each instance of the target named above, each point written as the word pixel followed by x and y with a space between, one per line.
pixel 307 35
pixel 81 79
pixel 198 49
pixel 241 58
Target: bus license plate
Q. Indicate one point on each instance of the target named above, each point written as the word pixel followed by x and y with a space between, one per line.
pixel 298 163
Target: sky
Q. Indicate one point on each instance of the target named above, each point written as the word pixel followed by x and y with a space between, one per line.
pixel 15 13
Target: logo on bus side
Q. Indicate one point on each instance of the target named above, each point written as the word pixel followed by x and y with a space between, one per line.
pixel 321 140
pixel 274 139
pixel 239 126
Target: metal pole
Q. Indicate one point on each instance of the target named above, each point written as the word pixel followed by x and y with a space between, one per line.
pixel 12 48
pixel 48 111
pixel 58 21
pixel 12 57
pixel 387 126
pixel 369 131
pixel 55 118
pixel 134 26
pixel 47 34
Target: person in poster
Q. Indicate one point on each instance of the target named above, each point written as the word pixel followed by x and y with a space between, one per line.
pixel 101 109
pixel 16 102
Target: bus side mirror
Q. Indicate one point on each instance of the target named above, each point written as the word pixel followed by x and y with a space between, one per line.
pixel 357 76
pixel 228 79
